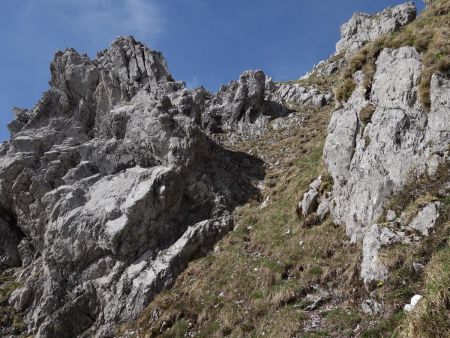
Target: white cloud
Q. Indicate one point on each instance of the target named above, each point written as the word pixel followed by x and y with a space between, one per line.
pixel 193 83
pixel 105 19
pixel 144 17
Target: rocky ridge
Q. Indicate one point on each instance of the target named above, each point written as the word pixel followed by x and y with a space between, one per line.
pixel 113 182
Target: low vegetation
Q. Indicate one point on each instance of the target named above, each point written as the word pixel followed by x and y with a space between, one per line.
pixel 9 317
pixel 255 282
pixel 431 318
pixel 365 115
pixel 421 268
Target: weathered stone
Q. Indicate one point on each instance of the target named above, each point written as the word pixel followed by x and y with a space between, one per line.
pixel 372 269
pixel 300 95
pixel 310 200
pixel 363 27
pixel 372 307
pixel 324 206
pixel 426 219
pixel 405 141
pixel 400 91
pixel 366 174
pixel 390 216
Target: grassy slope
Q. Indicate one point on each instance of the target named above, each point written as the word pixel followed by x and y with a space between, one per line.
pixel 255 282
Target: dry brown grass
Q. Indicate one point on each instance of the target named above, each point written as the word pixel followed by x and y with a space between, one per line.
pixel 344 91
pixel 366 113
pixel 431 317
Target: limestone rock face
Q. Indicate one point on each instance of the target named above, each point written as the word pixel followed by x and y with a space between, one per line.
pixel 239 104
pixel 363 27
pixel 426 219
pixel 371 267
pixel 392 232
pixel 300 95
pixel 370 162
pixel 110 185
pixel 242 109
pixel 310 200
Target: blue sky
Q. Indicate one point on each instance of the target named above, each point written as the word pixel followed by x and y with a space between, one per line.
pixel 205 42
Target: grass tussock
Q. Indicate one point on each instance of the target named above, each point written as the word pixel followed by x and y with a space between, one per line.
pixel 344 92
pixel 365 115
pixel 429 34
pixel 9 317
pixel 431 317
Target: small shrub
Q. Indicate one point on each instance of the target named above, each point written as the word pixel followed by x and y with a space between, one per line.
pixel 316 271
pixel 283 297
pixel 345 91
pixel 311 220
pixel 327 183
pixel 366 113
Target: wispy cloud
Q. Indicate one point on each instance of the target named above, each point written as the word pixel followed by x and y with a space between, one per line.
pixel 193 83
pixel 104 19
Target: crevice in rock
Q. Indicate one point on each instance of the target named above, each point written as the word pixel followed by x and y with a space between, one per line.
pixel 10 237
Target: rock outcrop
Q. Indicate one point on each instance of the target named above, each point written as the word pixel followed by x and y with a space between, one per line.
pixel 119 176
pixel 243 109
pixel 363 27
pixel 369 162
pixel 303 96
pixel 109 186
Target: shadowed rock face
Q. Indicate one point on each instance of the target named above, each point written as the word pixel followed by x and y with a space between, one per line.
pixel 10 237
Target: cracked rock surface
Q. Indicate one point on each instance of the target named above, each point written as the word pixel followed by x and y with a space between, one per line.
pixel 371 162
pixel 363 27
pixel 112 183
pixel 118 177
